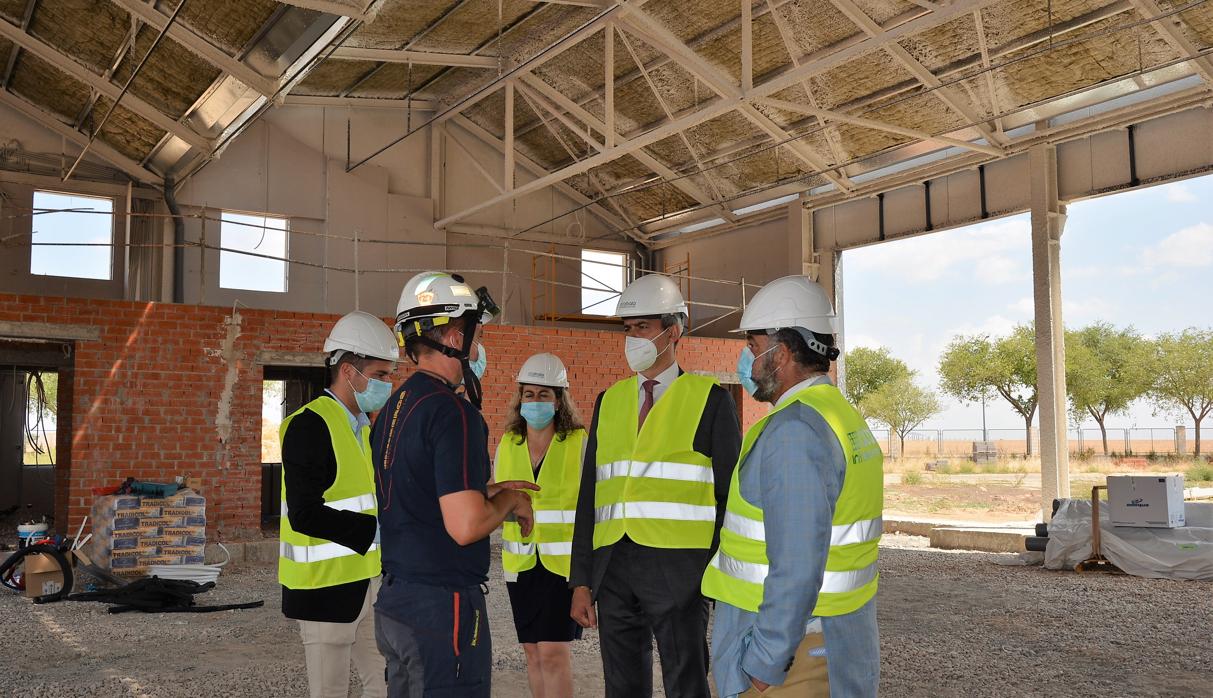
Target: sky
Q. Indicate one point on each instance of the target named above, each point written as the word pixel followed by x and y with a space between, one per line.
pixel 83 225
pixel 257 234
pixel 1141 259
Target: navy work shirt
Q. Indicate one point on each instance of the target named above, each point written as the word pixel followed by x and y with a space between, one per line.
pixel 428 442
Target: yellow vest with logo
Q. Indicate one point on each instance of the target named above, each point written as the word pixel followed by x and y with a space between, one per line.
pixel 652 485
pixel 313 563
pixel 555 504
pixel 739 568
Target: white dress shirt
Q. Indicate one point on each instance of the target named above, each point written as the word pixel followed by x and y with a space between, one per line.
pixel 807 383
pixel 664 379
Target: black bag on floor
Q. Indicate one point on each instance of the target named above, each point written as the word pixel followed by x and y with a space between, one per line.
pixel 156 595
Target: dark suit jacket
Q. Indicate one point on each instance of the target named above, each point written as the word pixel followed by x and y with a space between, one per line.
pixel 718 437
pixel 309 467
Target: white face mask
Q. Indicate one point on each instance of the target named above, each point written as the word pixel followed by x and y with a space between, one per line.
pixel 641 353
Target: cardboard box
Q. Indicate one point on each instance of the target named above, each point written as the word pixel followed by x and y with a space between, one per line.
pixel 183 550
pixel 182 512
pixel 126 542
pixel 1148 501
pixel 42 575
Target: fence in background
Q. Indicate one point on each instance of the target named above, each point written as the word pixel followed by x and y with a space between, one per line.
pixel 1012 443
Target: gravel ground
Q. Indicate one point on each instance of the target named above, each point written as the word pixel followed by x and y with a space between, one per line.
pixel 952 624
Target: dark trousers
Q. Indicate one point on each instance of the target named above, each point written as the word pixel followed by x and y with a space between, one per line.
pixel 435 640
pixel 650 593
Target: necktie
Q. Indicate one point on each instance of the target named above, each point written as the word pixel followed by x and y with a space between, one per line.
pixel 647 405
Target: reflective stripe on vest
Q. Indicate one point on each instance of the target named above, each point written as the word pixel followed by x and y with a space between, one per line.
pixel 305 562
pixel 655 510
pixel 831 583
pixel 845 534
pixel 362 502
pixel 658 470
pixel 652 485
pixel 555 504
pixel 739 569
pixel 316 553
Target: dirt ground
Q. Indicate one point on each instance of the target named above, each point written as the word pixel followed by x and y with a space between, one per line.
pixel 952 624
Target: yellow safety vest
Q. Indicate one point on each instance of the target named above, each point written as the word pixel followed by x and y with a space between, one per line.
pixel 653 485
pixel 555 503
pixel 313 563
pixel 739 568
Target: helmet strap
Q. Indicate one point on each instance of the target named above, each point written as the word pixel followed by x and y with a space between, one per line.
pixel 471 384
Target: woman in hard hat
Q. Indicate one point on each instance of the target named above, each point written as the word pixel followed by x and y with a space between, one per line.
pixel 543 443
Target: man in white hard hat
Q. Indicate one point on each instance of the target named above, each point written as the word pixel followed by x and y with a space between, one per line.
pixel 795 577
pixel 436 509
pixel 329 560
pixel 661 449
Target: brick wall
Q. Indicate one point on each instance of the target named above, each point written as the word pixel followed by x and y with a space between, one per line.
pixel 174 389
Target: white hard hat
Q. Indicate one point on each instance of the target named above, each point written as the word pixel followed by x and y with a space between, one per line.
pixel 363 334
pixel 430 299
pixel 650 295
pixel 792 301
pixel 544 369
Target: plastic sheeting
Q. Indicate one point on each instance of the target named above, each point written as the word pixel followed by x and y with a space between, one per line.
pixel 1159 553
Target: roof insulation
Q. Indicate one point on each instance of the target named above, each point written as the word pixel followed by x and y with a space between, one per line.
pixel 1003 58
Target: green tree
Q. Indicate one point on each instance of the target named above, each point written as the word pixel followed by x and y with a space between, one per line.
pixel 902 405
pixel 867 370
pixel 973 368
pixel 1183 375
pixel 1106 370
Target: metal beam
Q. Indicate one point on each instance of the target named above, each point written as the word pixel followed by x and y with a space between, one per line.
pixel 722 106
pixel 823 114
pixel 120 54
pixel 1176 38
pixel 984 46
pixel 537 170
pixel 681 183
pixel 747 45
pixel 682 136
pixel 789 44
pixel 99 148
pixel 26 18
pixel 576 3
pixel 200 46
pixel 608 82
pixel 358 103
pixel 539 105
pixel 455 138
pixel 661 59
pixel 385 55
pixel 105 87
pixel 1017 44
pixel 918 70
pixel 1115 120
pixel 508 130
pixel 330 7
pixel 664 40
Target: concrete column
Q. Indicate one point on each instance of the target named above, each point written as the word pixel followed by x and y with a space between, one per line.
pixel 1048 221
pixel 1181 440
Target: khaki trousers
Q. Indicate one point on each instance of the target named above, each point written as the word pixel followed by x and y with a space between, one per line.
pixel 329 648
pixel 807 678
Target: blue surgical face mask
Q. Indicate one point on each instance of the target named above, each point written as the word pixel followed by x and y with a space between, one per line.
pixel 374 396
pixel 538 414
pixel 745 368
pixel 481 362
